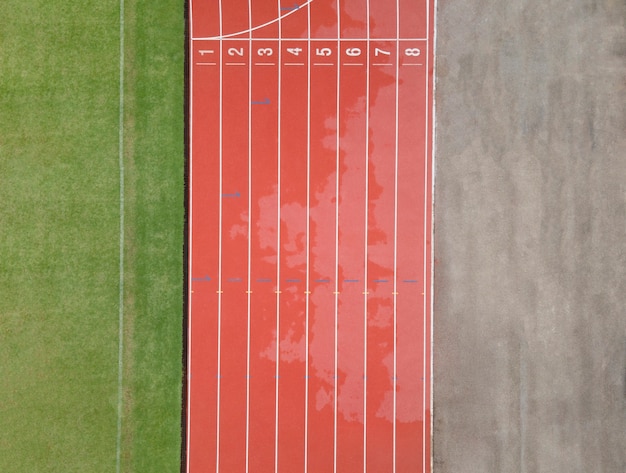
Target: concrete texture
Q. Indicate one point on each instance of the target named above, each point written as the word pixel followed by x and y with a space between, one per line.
pixel 530 235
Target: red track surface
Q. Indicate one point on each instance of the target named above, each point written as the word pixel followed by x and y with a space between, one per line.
pixel 310 227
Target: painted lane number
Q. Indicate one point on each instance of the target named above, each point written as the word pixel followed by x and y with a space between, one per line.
pixel 235 52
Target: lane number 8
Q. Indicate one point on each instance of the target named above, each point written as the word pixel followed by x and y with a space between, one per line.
pixel 412 51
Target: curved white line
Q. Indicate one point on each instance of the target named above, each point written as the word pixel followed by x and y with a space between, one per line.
pixel 250 30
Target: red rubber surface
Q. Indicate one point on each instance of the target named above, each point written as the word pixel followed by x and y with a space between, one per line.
pixel 310 233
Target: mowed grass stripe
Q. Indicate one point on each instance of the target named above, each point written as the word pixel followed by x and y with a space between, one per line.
pixel 59 255
pixel 154 102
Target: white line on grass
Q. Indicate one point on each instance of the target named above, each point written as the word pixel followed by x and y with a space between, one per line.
pixel 120 354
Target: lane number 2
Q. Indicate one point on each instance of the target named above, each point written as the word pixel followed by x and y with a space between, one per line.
pixel 235 52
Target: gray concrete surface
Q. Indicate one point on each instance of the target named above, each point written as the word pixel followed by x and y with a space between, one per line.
pixel 530 235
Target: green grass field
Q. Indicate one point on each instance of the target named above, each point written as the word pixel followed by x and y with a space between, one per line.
pixel 59 235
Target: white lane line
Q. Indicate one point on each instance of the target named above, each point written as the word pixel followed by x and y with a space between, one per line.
pixel 337 198
pixel 190 256
pixel 395 243
pixel 308 246
pixel 120 352
pixel 258 27
pixel 278 242
pixel 249 241
pixel 190 243
pixel 219 260
pixel 432 216
pixel 365 305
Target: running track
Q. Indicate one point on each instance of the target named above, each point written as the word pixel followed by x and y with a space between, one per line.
pixel 310 236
